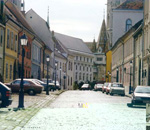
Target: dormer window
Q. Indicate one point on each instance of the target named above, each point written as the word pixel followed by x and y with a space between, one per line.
pixel 128 24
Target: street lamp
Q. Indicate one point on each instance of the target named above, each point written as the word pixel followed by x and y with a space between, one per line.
pixel 130 77
pixel 47 59
pixel 55 73
pixel 117 74
pixel 60 76
pixel 64 79
pixel 24 42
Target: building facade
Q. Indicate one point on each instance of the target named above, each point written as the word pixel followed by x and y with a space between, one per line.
pixel 81 64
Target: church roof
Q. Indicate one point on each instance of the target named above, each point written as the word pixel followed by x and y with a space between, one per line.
pixel 132 5
pixel 102 38
pixel 73 43
pixel 40 28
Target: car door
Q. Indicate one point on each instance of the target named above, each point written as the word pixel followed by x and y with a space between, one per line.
pixel 27 85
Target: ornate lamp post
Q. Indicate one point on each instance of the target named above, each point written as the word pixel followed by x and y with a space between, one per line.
pixel 117 74
pixel 24 41
pixel 55 73
pixel 130 77
pixel 47 88
pixel 60 76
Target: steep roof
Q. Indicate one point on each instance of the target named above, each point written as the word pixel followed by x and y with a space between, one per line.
pixel 19 16
pixel 132 5
pixel 73 43
pixel 102 35
pixel 40 28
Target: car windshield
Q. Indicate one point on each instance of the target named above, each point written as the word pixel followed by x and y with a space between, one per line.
pixel 99 84
pixel 142 90
pixel 117 85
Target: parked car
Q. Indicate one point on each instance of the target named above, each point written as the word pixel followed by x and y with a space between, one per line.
pixel 50 83
pixel 5 92
pixel 41 83
pixel 0 99
pixel 141 95
pixel 30 87
pixel 108 88
pixel 57 85
pixel 117 88
pixel 85 87
pixel 98 87
pixel 104 87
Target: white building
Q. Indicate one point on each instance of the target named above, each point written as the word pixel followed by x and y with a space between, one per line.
pixel 122 17
pixel 83 61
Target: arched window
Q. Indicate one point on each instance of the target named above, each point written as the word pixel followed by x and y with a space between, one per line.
pixel 128 24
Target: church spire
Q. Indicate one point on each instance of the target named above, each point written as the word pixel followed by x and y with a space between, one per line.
pixel 48 17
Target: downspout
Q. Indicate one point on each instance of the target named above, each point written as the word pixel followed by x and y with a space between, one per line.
pixel 133 63
pixel 142 43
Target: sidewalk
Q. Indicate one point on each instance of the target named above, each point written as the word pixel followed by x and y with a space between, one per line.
pixel 9 120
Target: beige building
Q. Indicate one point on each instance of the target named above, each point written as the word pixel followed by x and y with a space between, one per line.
pixel 123 58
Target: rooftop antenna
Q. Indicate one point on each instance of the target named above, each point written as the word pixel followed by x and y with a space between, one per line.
pixel 104 14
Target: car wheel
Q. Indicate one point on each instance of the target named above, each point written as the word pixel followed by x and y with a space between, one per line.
pixel 111 94
pixel 31 92
pixel 102 91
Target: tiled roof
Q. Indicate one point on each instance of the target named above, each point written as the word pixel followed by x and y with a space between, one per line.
pixel 40 28
pixel 131 4
pixel 19 16
pixel 73 43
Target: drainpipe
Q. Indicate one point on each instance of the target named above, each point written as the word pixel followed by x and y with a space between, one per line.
pixel 142 45
pixel 133 63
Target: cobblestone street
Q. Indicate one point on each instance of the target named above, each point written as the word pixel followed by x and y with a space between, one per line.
pixel 9 120
pixel 88 110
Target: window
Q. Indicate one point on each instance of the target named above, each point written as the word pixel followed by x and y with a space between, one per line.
pixel 10 74
pixel 6 71
pixel 83 77
pixel 87 68
pixel 128 24
pixel 76 76
pixel 71 80
pixel 12 40
pixel 76 67
pixel 80 58
pixel 87 59
pixel 80 76
pixel 76 57
pixel 16 82
pixel 100 59
pixel 16 39
pixel 80 67
pixel 1 37
pixel 8 38
pixel 68 80
pixel 83 68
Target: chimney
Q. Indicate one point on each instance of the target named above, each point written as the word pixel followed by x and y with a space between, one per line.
pixel 23 8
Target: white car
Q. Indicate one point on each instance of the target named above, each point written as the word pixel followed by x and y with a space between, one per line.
pixel 98 87
pixel 85 87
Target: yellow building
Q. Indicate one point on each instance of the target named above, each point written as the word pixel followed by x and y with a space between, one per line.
pixel 108 66
pixel 11 51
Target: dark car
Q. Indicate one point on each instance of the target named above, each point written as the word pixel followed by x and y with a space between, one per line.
pixel 0 99
pixel 30 87
pixel 6 99
pixel 41 83
pixel 50 84
pixel 141 95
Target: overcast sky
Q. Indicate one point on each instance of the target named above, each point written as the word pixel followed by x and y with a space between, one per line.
pixel 77 18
